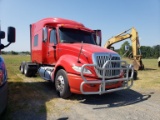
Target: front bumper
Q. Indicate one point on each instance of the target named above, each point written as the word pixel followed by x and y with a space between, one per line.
pixel 109 79
pixel 3 96
pixel 86 85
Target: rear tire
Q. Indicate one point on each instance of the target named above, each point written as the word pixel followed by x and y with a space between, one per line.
pixel 21 68
pixel 159 64
pixel 61 84
pixel 135 74
pixel 27 72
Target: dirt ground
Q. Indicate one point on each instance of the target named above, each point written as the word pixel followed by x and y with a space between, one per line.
pixel 123 105
pixel 39 101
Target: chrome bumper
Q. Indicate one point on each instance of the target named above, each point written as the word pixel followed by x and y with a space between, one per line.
pixel 109 79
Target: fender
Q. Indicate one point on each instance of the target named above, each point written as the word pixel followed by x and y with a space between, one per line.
pixel 67 62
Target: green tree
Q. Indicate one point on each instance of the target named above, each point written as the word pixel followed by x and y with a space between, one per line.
pixel 156 50
pixel 14 53
pixel 146 51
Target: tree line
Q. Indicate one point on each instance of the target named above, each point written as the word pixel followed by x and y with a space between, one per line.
pixel 145 51
pixel 15 53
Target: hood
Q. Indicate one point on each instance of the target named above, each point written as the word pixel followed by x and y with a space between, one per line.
pixel 86 48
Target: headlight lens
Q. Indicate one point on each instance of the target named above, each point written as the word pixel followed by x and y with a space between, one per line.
pixel 78 69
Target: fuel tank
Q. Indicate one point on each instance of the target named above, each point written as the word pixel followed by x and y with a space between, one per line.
pixel 45 72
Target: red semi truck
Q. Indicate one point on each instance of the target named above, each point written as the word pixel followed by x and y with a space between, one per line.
pixel 70 55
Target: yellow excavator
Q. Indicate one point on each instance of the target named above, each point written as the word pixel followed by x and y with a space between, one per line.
pixel 136 53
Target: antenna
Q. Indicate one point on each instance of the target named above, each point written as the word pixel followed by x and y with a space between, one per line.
pixel 80 52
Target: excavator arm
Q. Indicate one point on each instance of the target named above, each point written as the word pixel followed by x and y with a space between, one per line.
pixel 116 39
pixel 136 53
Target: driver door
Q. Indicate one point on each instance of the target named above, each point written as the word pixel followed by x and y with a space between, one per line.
pixel 52 51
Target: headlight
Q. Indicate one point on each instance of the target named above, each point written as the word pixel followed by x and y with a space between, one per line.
pixel 78 69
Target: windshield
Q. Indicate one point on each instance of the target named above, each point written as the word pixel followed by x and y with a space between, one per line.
pixel 75 36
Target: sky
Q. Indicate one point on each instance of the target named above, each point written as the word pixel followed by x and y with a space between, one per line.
pixel 111 16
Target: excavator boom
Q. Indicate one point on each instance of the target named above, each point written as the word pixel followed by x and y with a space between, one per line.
pixel 116 39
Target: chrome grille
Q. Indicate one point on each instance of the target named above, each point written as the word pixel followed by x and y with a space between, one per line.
pixel 100 59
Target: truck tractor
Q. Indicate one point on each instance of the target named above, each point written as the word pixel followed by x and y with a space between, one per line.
pixel 3 71
pixel 70 55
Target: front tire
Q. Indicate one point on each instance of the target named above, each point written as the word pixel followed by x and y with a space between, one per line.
pixel 61 84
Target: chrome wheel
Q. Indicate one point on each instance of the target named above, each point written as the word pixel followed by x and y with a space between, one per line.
pixel 21 69
pixel 60 83
pixel 25 69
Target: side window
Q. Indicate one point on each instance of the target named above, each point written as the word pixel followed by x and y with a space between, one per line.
pixel 53 36
pixel 35 40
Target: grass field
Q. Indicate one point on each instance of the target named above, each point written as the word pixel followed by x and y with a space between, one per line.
pixel 24 92
pixel 20 91
pixel 149 78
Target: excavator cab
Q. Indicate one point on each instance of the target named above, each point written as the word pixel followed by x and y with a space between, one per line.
pixel 126 48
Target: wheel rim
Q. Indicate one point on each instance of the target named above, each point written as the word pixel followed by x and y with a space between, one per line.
pixel 21 69
pixel 25 69
pixel 60 83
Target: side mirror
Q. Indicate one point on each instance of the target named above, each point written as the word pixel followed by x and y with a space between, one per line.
pixel 45 34
pixel 2 34
pixel 98 37
pixel 98 41
pixel 11 34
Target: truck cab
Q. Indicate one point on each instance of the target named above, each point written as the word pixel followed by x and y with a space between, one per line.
pixel 3 71
pixel 69 54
